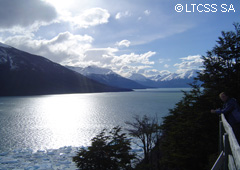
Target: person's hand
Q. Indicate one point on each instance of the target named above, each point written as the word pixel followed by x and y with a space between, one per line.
pixel 213 111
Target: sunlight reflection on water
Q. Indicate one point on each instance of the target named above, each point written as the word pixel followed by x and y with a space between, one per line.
pixel 54 121
pixel 70 118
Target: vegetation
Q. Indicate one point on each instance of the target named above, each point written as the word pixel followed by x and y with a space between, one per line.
pixel 146 130
pixel 190 132
pixel 107 152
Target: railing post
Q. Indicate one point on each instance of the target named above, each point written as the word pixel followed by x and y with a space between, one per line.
pixel 227 150
pixel 221 133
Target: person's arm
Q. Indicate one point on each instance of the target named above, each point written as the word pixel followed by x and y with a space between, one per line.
pixel 215 111
pixel 228 107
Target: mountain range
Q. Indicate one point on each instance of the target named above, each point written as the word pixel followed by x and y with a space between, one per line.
pixel 166 79
pixel 137 81
pixel 22 73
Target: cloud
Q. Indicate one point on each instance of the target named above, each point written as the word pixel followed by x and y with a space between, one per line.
pixel 77 50
pixel 120 15
pixel 125 43
pixel 100 56
pixel 162 60
pixel 126 64
pixel 121 64
pixel 193 58
pixel 189 63
pixel 63 48
pixel 23 13
pixel 166 66
pixel 153 72
pixel 89 17
pixel 128 70
pixel 133 58
pixel 147 12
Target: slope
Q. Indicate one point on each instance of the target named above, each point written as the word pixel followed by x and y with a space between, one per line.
pixel 22 73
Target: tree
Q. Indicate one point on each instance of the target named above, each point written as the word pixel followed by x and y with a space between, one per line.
pixel 222 65
pixel 190 132
pixel 145 129
pixel 107 152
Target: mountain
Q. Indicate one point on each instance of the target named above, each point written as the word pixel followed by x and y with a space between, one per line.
pixel 108 77
pixel 166 79
pixel 168 76
pixel 138 81
pixel 141 79
pixel 22 73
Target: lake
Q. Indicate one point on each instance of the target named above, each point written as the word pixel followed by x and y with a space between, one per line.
pixel 54 121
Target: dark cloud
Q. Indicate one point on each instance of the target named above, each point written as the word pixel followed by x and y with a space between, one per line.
pixel 25 12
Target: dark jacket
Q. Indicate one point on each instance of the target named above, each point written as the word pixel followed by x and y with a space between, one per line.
pixel 231 111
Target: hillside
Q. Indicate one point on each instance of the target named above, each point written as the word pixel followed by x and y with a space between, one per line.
pixel 22 73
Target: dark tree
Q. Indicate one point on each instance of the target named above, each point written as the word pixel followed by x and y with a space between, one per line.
pixel 222 65
pixel 147 130
pixel 107 152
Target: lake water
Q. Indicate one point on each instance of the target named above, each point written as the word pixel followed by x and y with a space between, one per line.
pixel 54 121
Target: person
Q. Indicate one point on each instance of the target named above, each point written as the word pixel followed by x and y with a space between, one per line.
pixel 231 111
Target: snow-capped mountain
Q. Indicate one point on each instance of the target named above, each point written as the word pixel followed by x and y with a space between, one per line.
pixel 168 76
pixel 166 79
pixel 136 81
pixel 108 77
pixel 22 73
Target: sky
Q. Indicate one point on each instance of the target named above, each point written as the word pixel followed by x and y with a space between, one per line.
pixel 149 37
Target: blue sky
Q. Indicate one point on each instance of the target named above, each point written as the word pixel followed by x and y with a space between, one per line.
pixel 128 36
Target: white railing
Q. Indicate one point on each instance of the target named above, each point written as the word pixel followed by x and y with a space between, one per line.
pixel 229 157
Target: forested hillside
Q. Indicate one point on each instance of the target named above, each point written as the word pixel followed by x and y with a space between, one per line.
pixel 190 132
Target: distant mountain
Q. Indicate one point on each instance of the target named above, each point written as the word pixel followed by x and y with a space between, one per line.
pixel 138 81
pixel 22 73
pixel 168 76
pixel 139 78
pixel 108 77
pixel 166 79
